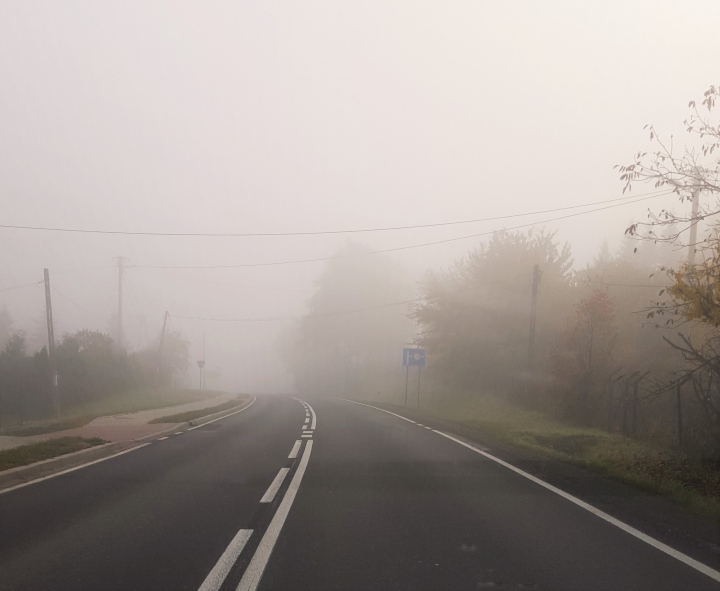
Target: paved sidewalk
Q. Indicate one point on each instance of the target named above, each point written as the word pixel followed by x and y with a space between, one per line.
pixel 145 416
pixel 123 427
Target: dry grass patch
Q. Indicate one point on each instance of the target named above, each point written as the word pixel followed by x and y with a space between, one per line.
pixel 36 452
pixel 654 466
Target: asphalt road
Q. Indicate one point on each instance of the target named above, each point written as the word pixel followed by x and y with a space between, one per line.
pixel 367 501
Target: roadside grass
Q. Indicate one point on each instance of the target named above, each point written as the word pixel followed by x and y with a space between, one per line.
pixel 36 452
pixel 191 415
pixel 127 402
pixel 656 467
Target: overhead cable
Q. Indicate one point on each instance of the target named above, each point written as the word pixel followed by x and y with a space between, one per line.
pixel 322 232
pixel 347 312
pixel 20 286
pixel 396 249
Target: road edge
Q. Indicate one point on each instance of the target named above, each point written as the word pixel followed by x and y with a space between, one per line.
pixel 14 476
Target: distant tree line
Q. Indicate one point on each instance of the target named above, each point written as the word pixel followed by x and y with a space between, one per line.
pixel 629 343
pixel 89 365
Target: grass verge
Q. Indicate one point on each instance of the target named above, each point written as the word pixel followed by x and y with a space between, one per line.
pixel 127 402
pixel 656 467
pixel 191 415
pixel 36 452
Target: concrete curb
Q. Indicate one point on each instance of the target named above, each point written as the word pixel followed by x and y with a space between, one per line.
pixel 15 476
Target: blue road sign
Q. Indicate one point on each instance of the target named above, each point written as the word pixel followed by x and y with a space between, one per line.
pixel 414 357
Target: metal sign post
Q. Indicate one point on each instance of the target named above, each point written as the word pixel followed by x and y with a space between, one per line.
pixel 201 365
pixel 413 357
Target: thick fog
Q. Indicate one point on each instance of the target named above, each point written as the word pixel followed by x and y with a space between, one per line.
pixel 290 117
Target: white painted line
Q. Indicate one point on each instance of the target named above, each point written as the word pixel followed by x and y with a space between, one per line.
pixel 429 428
pixel 254 571
pixel 381 409
pixel 307 420
pixel 419 424
pixel 275 486
pixel 178 433
pixel 217 575
pixel 162 438
pixel 71 469
pixel 295 450
pixel 305 435
pixel 699 566
pixel 224 416
pixel 314 418
pixel 306 430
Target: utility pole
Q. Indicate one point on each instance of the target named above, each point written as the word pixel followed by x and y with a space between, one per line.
pixel 533 314
pixel 121 268
pixel 54 391
pixel 693 227
pixel 202 368
pixel 162 341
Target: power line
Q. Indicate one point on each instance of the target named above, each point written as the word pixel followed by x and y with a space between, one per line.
pixel 399 248
pixel 320 232
pixel 347 312
pixel 20 286
pixel 287 289
pixel 66 272
pixel 78 306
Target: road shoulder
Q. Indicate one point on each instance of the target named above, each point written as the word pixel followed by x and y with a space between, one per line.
pixel 672 524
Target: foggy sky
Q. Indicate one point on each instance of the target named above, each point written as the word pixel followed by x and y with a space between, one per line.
pixel 304 116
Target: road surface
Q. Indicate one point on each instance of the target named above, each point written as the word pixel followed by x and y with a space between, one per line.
pixel 365 500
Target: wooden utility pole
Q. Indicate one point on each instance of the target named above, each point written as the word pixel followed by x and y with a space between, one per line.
pixel 121 269
pixel 162 342
pixel 693 227
pixel 54 391
pixel 533 314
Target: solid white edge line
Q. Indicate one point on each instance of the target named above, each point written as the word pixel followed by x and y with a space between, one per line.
pixel 699 566
pixel 295 450
pixel 220 571
pixel 254 572
pixel 380 409
pixel 275 486
pixel 684 558
pixel 72 469
pixel 225 416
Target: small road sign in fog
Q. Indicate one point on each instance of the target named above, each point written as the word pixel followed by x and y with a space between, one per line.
pixel 414 357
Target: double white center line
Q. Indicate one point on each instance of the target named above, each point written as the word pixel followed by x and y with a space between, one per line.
pixel 253 573
pixel 256 568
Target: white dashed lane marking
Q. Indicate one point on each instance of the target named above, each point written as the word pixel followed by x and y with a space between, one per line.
pixel 275 486
pixel 217 575
pixel 253 573
pixel 161 438
pixel 295 450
